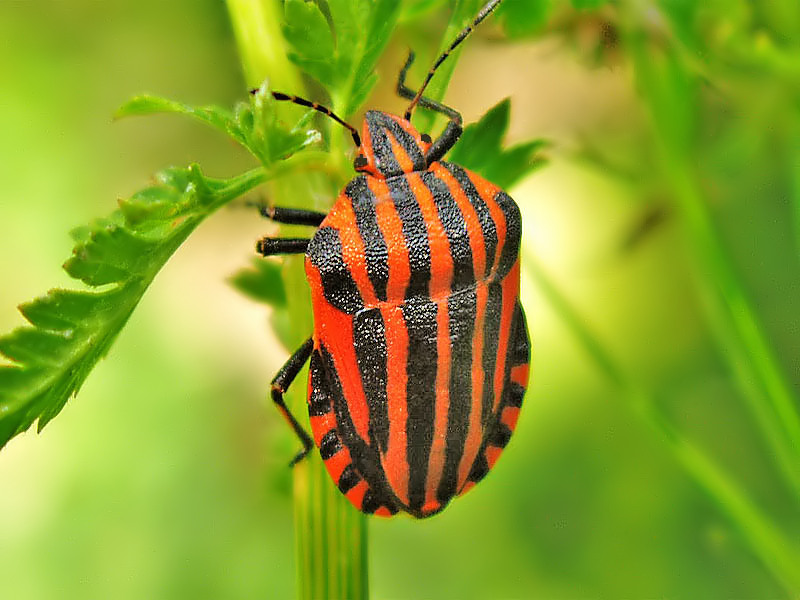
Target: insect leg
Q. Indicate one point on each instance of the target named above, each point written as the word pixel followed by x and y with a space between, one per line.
pixel 406 92
pixel 453 130
pixel 291 216
pixel 269 246
pixel 281 382
pixel 444 142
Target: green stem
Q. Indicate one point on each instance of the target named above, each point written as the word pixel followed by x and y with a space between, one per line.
pixel 256 26
pixel 765 539
pixel 330 535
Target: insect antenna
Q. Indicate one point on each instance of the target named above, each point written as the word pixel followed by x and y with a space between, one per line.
pixel 280 96
pixel 484 12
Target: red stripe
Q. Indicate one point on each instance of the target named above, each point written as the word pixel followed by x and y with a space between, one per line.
pixel 343 218
pixel 519 374
pixel 487 191
pixel 392 229
pixel 467 487
pixel 509 417
pixel 356 493
pixel 476 241
pixel 400 154
pixel 439 290
pixel 337 463
pixel 492 454
pixel 334 330
pixel 366 150
pixel 441 261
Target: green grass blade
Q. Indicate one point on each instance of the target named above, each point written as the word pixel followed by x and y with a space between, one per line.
pixel 763 536
pixel 668 89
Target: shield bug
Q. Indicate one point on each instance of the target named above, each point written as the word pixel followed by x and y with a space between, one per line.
pixel 420 352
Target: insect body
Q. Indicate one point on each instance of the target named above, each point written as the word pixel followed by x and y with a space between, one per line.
pixel 419 354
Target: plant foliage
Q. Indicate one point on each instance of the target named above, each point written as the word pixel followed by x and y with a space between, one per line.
pixel 119 256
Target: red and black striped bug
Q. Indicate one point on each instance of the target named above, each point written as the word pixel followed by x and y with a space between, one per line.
pixel 420 352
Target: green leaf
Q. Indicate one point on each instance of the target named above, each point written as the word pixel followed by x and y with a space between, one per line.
pixel 480 149
pixel 261 282
pixel 514 164
pixel 253 125
pixel 341 54
pixel 148 105
pixel 375 35
pixel 347 18
pixel 268 138
pixel 482 139
pixel 310 36
pixel 71 330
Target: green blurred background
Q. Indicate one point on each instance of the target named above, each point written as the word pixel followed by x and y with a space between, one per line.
pixel 166 477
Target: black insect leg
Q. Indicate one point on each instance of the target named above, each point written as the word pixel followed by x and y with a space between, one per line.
pixel 281 382
pixel 406 92
pixel 453 130
pixel 292 216
pixel 444 142
pixel 270 246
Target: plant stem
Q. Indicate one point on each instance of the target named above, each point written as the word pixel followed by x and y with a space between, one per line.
pixel 330 535
pixel 256 26
pixel 766 540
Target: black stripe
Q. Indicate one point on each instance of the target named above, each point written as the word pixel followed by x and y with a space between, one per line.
pixel 420 319
pixel 498 433
pixel 370 503
pixel 408 144
pixel 510 251
pixel 488 227
pixel 491 340
pixel 520 350
pixel 385 160
pixel 348 479
pixel 369 341
pixel 329 445
pixel 375 252
pixel 480 467
pixel 462 309
pixel 514 393
pixel 499 436
pixel 382 128
pixel 366 460
pixel 319 403
pixel 325 252
pixel 455 228
pixel 415 234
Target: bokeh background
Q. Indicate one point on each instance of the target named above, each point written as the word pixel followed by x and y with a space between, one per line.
pixel 166 478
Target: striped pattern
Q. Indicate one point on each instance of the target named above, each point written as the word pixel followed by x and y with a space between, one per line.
pixel 420 353
pixel 391 146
